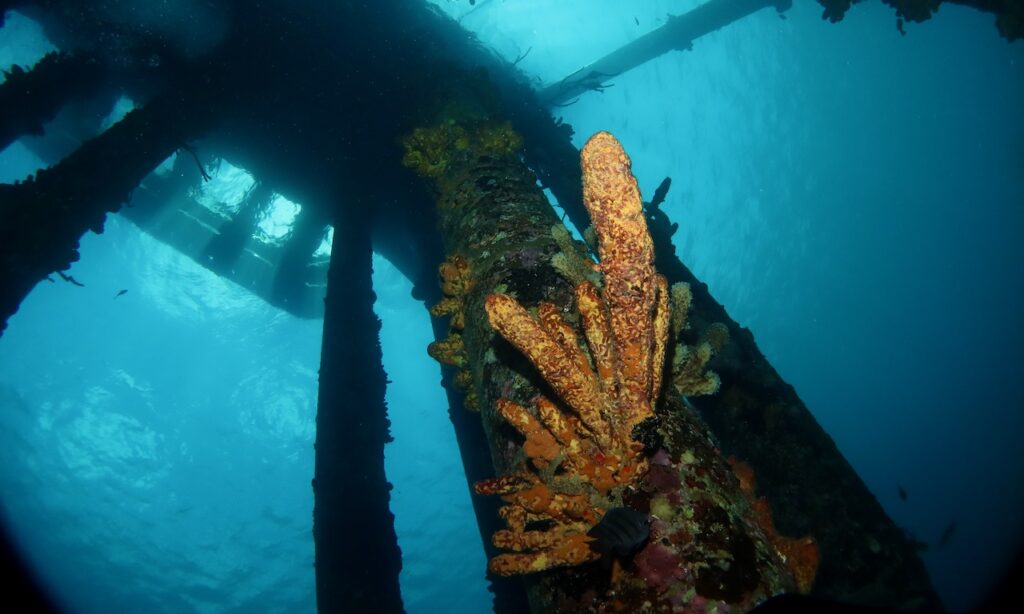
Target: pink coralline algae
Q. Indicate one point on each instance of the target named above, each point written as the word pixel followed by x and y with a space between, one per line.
pixel 663 479
pixel 658 566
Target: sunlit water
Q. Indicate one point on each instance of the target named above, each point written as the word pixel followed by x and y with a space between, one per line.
pixel 853 196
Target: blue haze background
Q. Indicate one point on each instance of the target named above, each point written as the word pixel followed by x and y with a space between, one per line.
pixel 853 196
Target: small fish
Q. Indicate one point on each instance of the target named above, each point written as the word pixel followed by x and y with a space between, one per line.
pixel 636 20
pixel 120 293
pixel 902 491
pixel 948 533
pixel 620 532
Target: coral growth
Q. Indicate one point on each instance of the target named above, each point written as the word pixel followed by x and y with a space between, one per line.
pixel 432 151
pixel 580 462
pixel 801 555
pixel 449 351
pixel 456 282
pixel 689 363
pixel 571 260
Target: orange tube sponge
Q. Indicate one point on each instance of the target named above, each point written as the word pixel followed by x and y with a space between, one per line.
pixel 583 457
pixel 626 254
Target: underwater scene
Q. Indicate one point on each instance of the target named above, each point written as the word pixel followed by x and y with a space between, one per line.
pixel 508 306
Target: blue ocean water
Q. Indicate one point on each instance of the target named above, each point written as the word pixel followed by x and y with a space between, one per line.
pixel 854 196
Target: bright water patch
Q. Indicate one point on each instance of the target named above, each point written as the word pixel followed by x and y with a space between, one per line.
pixel 276 222
pixel 157 446
pixel 226 190
pixel 443 563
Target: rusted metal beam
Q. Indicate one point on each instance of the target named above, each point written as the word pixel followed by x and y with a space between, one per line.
pixel 678 33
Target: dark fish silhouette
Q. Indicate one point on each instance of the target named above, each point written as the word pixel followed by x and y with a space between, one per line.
pixel 636 20
pixel 620 532
pixel 70 279
pixel 660 193
pixel 120 293
pixel 948 533
pixel 902 491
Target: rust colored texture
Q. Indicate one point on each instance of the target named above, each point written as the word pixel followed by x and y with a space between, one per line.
pixel 569 409
pixel 865 558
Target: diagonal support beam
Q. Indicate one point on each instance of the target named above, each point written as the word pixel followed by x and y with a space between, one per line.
pixel 30 98
pixel 43 217
pixel 678 33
